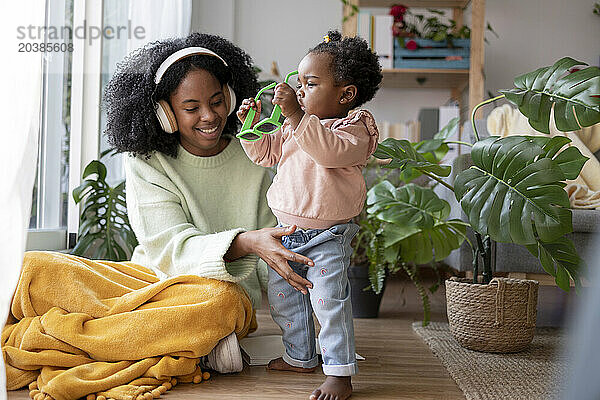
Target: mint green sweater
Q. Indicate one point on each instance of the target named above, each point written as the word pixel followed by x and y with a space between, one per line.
pixel 186 211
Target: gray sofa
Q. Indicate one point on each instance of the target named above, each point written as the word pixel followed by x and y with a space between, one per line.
pixel 511 258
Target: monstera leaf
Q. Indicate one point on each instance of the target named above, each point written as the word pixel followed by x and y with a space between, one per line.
pixel 426 245
pixel 403 155
pixel 416 222
pixel 409 205
pixel 569 160
pixel 575 96
pixel 559 259
pixel 104 231
pixel 514 191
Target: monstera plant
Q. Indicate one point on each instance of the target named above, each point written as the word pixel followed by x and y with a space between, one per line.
pixel 104 230
pixel 512 193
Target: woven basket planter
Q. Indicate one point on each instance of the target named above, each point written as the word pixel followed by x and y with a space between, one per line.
pixel 498 317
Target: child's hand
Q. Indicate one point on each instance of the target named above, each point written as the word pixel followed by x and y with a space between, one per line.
pixel 286 98
pixel 245 107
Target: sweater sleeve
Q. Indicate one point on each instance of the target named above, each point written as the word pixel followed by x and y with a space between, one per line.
pixel 266 151
pixel 266 219
pixel 343 145
pixel 170 242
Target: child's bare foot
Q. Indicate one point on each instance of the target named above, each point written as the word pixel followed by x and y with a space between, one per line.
pixel 279 365
pixel 334 387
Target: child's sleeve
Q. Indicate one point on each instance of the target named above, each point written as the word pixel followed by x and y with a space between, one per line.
pixel 350 141
pixel 266 151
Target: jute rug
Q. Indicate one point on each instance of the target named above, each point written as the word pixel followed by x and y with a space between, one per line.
pixel 529 375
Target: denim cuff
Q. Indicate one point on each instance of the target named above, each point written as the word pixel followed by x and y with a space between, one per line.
pixel 340 370
pixel 313 362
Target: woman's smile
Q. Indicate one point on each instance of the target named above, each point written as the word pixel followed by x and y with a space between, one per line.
pixel 209 133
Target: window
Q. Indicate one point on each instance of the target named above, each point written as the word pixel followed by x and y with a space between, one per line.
pixel 50 193
pixel 116 13
pixel 72 119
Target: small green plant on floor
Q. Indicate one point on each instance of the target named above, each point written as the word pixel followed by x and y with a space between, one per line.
pixel 104 230
pixel 370 248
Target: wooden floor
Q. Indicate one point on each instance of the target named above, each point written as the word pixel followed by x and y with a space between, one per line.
pixel 398 364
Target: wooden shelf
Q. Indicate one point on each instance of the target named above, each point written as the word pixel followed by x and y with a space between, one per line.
pixel 426 78
pixel 454 79
pixel 415 3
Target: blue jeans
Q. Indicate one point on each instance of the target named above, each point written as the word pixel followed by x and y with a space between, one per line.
pixel 329 299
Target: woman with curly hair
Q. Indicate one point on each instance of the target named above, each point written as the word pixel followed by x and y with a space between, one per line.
pixel 195 202
pixel 198 208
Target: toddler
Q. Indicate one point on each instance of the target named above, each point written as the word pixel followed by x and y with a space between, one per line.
pixel 320 151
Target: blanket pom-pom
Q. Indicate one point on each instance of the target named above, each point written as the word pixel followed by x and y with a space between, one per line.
pixel 167 385
pixel 206 375
pixel 148 396
pixel 33 385
pixel 174 382
pixel 197 378
pixel 90 397
pixel 39 396
pixel 156 393
pixel 100 397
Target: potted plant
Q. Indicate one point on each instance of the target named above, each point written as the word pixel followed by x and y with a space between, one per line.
pixel 513 193
pixel 371 263
pixel 430 41
pixel 366 272
pixel 104 230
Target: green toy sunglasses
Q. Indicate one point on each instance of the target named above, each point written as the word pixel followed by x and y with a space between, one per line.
pixel 267 125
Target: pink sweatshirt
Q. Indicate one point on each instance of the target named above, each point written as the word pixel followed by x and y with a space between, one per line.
pixel 319 180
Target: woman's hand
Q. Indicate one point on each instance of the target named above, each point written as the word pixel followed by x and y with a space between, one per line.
pixel 266 243
pixel 286 98
pixel 247 104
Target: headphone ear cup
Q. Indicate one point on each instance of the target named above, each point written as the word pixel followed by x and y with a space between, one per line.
pixel 165 116
pixel 230 95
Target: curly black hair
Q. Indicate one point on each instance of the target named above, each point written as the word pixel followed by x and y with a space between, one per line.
pixel 130 95
pixel 352 62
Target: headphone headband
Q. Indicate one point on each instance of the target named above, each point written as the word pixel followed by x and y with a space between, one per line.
pixel 183 53
pixel 164 113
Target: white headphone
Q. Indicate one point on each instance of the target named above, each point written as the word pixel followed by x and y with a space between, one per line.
pixel 164 113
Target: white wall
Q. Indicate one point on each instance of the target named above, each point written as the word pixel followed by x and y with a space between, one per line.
pixel 533 33
pixel 536 33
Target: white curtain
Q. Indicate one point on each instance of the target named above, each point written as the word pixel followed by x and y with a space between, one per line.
pixel 160 20
pixel 20 81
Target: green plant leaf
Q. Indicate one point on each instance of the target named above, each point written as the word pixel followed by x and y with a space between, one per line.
pixel 449 130
pixel 570 160
pixel 78 192
pixel 510 191
pixel 409 205
pixel 575 96
pixel 425 245
pixel 104 231
pixel 376 263
pixel 403 155
pixel 394 234
pixel 559 259
pixel 95 167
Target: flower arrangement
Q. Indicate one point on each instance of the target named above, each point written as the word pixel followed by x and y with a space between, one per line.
pixel 408 25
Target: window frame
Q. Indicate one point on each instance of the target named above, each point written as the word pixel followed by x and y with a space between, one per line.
pixel 85 122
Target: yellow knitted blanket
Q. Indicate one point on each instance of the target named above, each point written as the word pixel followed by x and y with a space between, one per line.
pixel 101 330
